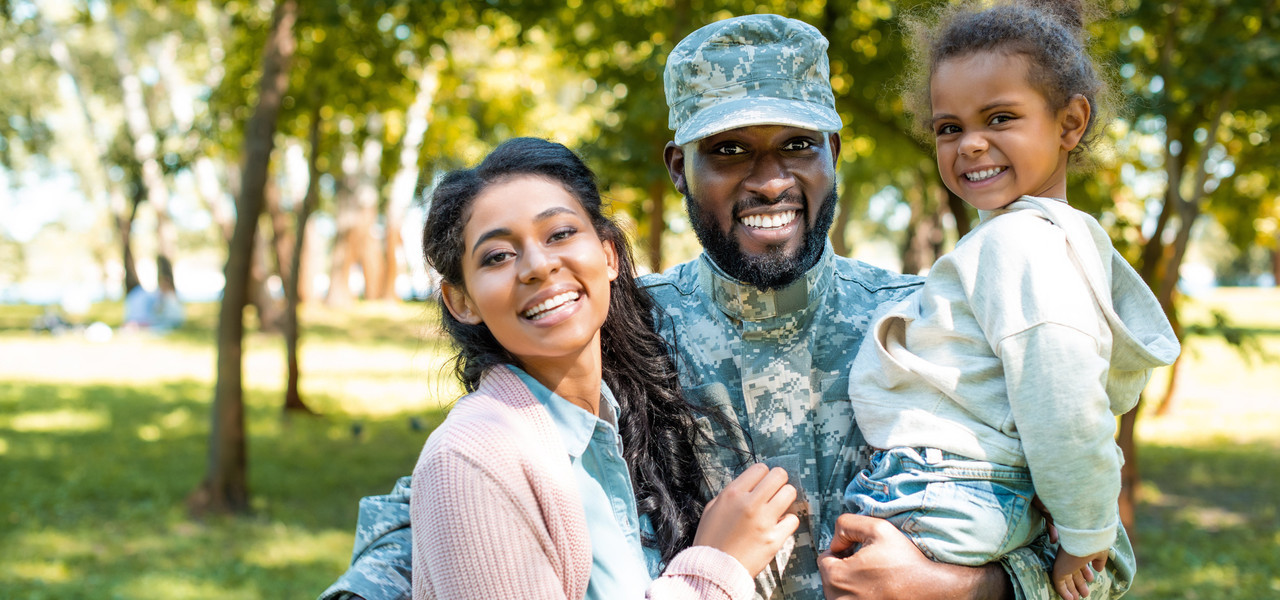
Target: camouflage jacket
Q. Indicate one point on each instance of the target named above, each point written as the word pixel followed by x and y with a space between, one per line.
pixel 776 364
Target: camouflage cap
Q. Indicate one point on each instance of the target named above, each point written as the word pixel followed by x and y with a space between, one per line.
pixel 751 70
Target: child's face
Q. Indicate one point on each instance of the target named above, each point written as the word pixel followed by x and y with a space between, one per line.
pixel 535 271
pixel 996 135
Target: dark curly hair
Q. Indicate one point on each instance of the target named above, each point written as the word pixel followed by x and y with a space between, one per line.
pixel 1050 33
pixel 658 427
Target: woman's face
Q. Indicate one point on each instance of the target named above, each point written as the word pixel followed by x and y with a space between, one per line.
pixel 535 271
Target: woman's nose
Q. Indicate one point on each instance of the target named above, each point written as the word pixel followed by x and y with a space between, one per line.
pixel 537 263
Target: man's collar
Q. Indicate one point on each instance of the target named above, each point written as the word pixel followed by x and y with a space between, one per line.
pixel 746 302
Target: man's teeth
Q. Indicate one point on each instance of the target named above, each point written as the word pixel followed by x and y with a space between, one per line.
pixel 984 174
pixel 550 304
pixel 769 221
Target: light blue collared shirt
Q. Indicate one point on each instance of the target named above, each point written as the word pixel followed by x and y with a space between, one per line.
pixel 619 564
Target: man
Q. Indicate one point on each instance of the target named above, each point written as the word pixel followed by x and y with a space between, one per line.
pixel 765 324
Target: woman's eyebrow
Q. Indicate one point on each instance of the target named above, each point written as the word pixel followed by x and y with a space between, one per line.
pixel 502 231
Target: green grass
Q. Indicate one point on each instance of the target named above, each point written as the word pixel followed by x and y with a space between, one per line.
pixel 101 443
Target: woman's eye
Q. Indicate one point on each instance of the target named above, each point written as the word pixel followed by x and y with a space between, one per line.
pixel 494 258
pixel 562 234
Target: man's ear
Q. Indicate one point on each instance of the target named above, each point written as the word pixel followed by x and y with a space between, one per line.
pixel 834 142
pixel 459 304
pixel 673 156
pixel 1074 120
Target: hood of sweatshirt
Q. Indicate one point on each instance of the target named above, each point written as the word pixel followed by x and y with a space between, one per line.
pixel 1142 338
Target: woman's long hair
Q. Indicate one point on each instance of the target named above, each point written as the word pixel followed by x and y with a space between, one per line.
pixel 657 425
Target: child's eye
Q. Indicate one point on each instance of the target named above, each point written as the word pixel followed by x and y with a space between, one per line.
pixel 947 129
pixel 998 119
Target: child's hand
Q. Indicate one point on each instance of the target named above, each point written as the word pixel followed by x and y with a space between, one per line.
pixel 748 520
pixel 1071 574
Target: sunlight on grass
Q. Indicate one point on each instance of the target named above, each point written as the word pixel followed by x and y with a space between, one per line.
pixel 65 421
pixel 42 571
pixel 294 547
pixel 154 586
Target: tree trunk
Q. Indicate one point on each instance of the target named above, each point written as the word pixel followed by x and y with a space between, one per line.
pixel 124 228
pixel 368 195
pixel 657 222
pixel 405 183
pixel 839 234
pixel 145 142
pixel 1275 263
pixel 346 220
pixel 1129 476
pixel 225 487
pixel 292 332
pixel 282 240
pixel 959 211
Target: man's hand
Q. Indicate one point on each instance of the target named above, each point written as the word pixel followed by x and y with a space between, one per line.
pixel 887 565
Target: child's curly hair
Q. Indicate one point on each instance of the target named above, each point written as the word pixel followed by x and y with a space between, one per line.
pixel 1051 34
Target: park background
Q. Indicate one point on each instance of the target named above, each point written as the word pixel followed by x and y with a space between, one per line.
pixel 247 141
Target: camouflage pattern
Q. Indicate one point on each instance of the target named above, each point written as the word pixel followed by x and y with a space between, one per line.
pixel 752 70
pixel 776 363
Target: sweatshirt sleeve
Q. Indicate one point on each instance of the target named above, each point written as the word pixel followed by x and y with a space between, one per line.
pixel 1056 382
pixel 472 538
pixel 702 573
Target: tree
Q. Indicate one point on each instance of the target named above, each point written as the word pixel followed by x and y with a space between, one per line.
pixel 225 487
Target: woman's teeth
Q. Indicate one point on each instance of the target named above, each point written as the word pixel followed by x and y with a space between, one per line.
pixel 550 304
pixel 769 221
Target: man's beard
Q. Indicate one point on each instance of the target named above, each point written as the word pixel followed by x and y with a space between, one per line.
pixel 775 268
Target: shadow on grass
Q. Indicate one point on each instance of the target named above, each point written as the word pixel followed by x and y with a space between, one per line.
pixel 95 478
pixel 1209 522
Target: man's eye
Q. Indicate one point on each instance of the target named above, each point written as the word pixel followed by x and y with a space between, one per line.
pixel 795 145
pixel 730 150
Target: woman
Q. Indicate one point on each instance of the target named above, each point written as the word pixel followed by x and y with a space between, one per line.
pixel 574 425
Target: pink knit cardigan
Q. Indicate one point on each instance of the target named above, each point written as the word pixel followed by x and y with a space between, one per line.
pixel 496 511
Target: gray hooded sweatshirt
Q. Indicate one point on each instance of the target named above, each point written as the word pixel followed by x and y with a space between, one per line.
pixel 1020 349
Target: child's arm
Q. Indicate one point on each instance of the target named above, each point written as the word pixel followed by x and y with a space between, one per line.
pixel 1071 574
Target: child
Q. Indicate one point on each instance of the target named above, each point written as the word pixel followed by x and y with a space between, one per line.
pixel 1000 379
pixel 569 468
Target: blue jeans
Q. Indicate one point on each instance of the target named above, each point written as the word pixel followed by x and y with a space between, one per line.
pixel 955 509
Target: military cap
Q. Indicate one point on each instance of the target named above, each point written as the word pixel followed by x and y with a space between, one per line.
pixel 750 70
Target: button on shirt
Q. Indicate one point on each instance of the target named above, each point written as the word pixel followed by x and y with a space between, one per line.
pixel 618 563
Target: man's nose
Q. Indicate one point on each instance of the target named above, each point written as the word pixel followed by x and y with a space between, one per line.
pixel 769 177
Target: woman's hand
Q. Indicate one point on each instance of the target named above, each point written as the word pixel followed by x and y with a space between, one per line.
pixel 748 520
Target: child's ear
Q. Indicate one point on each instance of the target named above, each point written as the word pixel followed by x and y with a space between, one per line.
pixel 459 304
pixel 1074 119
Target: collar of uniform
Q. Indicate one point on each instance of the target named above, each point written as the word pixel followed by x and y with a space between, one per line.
pixel 746 302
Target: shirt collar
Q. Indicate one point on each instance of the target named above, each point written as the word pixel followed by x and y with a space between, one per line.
pixel 748 303
pixel 574 423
